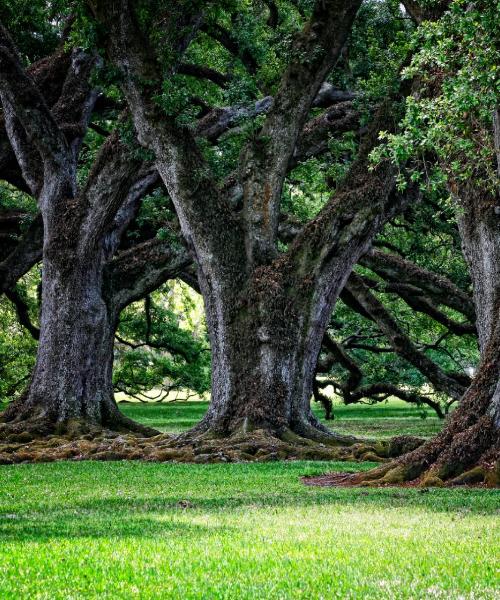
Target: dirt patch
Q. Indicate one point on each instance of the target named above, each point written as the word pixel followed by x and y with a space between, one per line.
pixel 357 480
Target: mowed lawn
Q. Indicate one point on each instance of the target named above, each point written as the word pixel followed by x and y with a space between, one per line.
pixel 380 421
pixel 144 530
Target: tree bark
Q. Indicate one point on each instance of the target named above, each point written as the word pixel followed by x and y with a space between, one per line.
pixel 264 362
pixel 72 378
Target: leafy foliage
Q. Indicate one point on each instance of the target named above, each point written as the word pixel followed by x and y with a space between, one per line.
pixel 162 346
pixel 456 60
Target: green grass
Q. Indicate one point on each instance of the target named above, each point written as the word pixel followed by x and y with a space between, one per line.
pixel 380 421
pixel 144 530
pixel 120 530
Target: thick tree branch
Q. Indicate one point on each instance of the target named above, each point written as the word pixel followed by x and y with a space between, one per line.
pixel 141 269
pixel 264 162
pixel 313 140
pixel 118 180
pixel 220 120
pixel 416 300
pixel 203 72
pixel 344 228
pixel 224 37
pixel 49 75
pixel 422 11
pixel 27 252
pixel 183 169
pixel 24 105
pixel 378 392
pixel 341 356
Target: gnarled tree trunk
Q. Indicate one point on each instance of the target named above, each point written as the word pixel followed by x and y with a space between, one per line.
pixel 264 361
pixel 467 451
pixel 72 378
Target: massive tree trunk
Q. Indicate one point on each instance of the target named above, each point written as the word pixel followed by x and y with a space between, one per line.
pixel 264 360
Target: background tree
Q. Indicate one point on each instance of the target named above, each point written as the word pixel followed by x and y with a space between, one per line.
pixel 455 118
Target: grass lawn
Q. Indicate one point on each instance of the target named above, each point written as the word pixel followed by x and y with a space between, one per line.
pixel 139 530
pixel 381 421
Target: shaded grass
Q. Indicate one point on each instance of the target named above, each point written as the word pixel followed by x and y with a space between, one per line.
pixel 381 421
pixel 137 530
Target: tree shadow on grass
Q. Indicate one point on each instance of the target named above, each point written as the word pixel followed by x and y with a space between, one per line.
pixel 165 515
pixel 83 522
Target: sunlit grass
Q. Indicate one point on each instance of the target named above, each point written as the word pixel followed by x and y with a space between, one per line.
pixel 142 530
pixel 136 530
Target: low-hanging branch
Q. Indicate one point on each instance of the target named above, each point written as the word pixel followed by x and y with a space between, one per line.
pixel 401 343
pixel 397 270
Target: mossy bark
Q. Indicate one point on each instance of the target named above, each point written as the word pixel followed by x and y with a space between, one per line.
pixel 72 378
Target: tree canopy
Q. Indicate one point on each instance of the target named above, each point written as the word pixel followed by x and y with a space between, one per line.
pixel 324 173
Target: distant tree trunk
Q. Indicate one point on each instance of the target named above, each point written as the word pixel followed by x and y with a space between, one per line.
pixel 72 378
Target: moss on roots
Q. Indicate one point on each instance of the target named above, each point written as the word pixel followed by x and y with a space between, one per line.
pixel 77 440
pixel 434 464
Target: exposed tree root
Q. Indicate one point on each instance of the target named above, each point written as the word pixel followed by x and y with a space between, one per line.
pixel 79 441
pixel 25 423
pixel 463 454
pixel 466 452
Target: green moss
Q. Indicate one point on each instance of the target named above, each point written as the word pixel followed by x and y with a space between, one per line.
pixel 475 475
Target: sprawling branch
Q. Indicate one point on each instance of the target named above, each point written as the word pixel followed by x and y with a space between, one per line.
pixel 351 390
pixel 224 37
pixel 26 253
pixel 22 312
pixel 220 120
pixel 378 392
pixel 56 133
pixel 328 94
pixel 422 11
pixel 335 120
pixel 187 177
pixel 416 300
pixel 203 72
pixel 339 355
pixel 117 181
pixel 401 343
pixel 49 75
pixel 24 106
pixel 396 269
pixel 140 270
pixel 274 16
pixel 362 203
